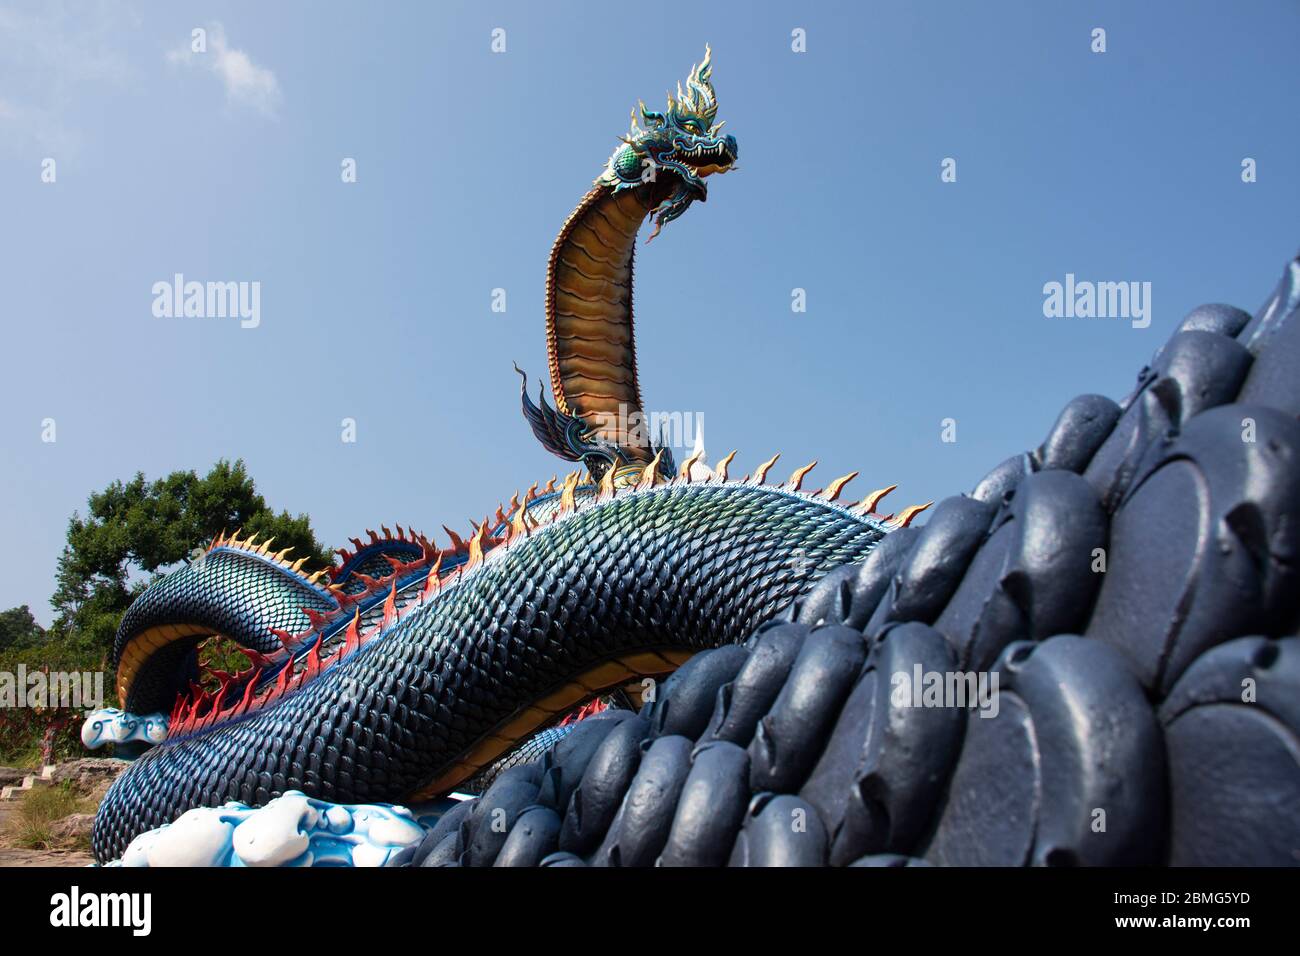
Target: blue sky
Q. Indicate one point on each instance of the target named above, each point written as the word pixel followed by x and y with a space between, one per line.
pixel 924 298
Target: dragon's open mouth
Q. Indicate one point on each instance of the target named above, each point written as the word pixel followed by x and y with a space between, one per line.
pixel 706 160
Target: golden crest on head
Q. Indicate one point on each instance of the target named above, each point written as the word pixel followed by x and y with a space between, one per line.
pixel 699 98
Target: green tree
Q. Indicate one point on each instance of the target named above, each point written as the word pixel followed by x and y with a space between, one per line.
pixel 18 629
pixel 138 529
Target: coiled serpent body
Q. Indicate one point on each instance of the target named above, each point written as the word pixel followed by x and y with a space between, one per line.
pixel 1107 599
pixel 598 596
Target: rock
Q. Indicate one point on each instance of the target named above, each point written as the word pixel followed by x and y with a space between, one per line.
pixel 74 827
pixel 12 776
pixel 89 773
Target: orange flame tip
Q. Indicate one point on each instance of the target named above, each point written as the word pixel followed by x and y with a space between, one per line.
pixel 796 479
pixel 869 503
pixel 832 491
pixel 760 475
pixel 721 469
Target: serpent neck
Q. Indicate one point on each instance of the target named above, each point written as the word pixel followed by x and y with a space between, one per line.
pixel 589 327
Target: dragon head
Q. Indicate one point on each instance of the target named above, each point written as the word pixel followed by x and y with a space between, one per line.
pixel 683 142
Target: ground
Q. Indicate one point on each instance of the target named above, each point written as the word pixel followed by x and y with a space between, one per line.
pixel 13 856
pixel 34 827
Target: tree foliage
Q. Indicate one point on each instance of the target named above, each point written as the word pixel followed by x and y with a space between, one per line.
pixel 135 530
pixel 18 629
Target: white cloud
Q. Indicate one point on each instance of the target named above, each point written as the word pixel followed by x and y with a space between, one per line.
pixel 246 83
pixel 53 59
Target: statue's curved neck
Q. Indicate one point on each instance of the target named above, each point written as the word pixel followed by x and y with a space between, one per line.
pixel 589 330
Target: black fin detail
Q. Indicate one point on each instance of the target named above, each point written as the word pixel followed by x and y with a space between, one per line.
pixel 567 436
pixel 667 466
pixel 550 427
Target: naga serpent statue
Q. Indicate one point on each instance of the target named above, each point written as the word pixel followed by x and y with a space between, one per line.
pixel 660 664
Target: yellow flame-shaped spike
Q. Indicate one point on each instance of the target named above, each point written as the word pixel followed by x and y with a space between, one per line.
pixel 550 486
pixel 475 547
pixel 761 475
pixel 796 480
pixel 297 565
pixel 531 494
pixel 251 542
pixel 568 499
pixel 721 469
pixel 907 514
pixel 519 522
pixel 832 491
pixel 265 546
pixel 432 580
pixel 607 490
pixel 233 541
pixel 316 577
pixel 685 470
pixel 869 503
pixel 650 474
